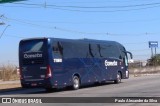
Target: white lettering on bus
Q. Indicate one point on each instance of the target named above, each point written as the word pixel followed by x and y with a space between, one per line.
pixel 32 55
pixel 110 63
pixel 57 60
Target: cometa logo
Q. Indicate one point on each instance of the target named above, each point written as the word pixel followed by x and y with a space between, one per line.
pixel 32 55
pixel 111 63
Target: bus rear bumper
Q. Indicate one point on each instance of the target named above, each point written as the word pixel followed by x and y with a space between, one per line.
pixel 36 84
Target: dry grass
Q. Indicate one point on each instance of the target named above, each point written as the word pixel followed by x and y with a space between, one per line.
pixel 9 72
pixel 145 70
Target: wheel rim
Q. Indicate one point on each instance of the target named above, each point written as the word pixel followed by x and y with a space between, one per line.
pixel 76 82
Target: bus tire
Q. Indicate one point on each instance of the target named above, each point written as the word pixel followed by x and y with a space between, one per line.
pixel 76 82
pixel 50 89
pixel 23 86
pixel 118 78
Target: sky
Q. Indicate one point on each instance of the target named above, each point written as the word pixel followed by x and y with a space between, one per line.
pixel 132 23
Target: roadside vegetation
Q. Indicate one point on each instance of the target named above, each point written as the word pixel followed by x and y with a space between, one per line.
pixel 8 72
pixel 154 61
pixel 151 66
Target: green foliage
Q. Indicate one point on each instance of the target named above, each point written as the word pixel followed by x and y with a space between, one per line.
pixel 154 61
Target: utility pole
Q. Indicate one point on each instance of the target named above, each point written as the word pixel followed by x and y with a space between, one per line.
pixel 4 31
pixel 2 23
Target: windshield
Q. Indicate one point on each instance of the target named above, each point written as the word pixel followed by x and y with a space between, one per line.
pixel 32 46
pixel 33 51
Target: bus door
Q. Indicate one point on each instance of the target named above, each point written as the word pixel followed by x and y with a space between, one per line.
pixel 125 61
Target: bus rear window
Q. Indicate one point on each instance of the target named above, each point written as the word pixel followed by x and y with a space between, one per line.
pixel 32 46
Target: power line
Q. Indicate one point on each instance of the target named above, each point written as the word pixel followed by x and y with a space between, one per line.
pixel 131 7
pixel 65 6
pixel 139 50
pixel 79 32
pixel 105 11
pixel 128 43
pixel 4 31
pixel 133 43
pixel 83 22
pixel 14 36
pixel 18 6
pixel 102 1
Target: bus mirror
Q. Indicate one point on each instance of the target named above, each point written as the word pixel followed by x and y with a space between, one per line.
pixel 130 54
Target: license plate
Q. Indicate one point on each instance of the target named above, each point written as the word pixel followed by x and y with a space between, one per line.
pixel 33 84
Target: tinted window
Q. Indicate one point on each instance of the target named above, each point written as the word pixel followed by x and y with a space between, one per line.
pixel 75 50
pixel 110 50
pixel 32 46
pixel 122 50
pixel 95 50
pixel 57 49
pixel 123 55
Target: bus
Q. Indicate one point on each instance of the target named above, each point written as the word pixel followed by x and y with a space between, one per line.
pixel 56 63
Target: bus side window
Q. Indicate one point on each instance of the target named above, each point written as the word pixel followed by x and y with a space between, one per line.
pixel 60 48
pixel 106 51
pixel 90 51
pixel 57 50
pixel 99 50
pixel 94 50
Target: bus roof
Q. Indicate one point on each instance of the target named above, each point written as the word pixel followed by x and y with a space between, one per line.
pixel 74 40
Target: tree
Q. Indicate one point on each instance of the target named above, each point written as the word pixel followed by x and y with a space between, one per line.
pixel 155 60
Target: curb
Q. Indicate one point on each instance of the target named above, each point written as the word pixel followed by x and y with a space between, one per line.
pixel 10 89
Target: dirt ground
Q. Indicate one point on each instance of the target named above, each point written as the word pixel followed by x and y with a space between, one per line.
pixel 9 86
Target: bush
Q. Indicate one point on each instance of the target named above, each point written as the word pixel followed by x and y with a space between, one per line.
pixel 154 61
pixel 9 72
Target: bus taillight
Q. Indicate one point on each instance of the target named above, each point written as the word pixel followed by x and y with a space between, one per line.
pixel 49 73
pixel 20 73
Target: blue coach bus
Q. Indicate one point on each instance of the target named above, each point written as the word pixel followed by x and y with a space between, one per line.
pixel 55 63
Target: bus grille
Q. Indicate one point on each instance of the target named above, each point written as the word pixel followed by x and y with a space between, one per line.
pixel 30 62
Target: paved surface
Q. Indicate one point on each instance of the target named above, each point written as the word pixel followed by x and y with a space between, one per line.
pixel 145 86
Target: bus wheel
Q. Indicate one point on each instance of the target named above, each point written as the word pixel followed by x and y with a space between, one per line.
pixel 23 86
pixel 118 79
pixel 76 82
pixel 50 89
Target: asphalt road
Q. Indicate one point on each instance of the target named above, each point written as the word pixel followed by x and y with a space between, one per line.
pixel 145 86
